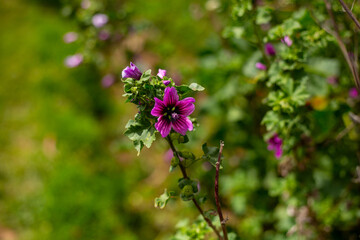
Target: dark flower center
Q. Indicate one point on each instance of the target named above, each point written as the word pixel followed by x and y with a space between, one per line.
pixel 171 113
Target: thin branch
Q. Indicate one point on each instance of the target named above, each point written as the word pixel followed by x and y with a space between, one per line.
pixel 342 45
pixel 183 171
pixel 349 12
pixel 217 199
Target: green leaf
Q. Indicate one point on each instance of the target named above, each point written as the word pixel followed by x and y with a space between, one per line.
pixel 263 15
pixel 145 76
pixel 160 202
pixel 211 154
pixel 141 132
pixel 196 87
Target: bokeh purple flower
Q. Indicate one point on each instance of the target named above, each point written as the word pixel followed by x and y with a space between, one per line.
pixel 333 80
pixel 287 40
pixel 260 66
pixel 269 49
pixel 275 144
pixel 74 60
pixel 168 156
pixel 161 73
pixel 108 80
pixel 99 20
pixel 70 37
pixel 166 82
pixel 172 113
pixel 353 93
pixel 85 4
pixel 104 35
pixel 131 72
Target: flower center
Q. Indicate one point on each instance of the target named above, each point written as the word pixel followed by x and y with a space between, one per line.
pixel 171 113
pixel 174 116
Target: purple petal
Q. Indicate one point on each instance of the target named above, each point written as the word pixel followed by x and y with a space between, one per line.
pixel 269 49
pixel 131 72
pixel 159 108
pixel 186 107
pixel 166 82
pixel 108 80
pixel 287 40
pixel 353 93
pixel 278 152
pixel 161 73
pixel 70 37
pixel 260 66
pixel 163 125
pixel 99 20
pixel 182 125
pixel 74 60
pixel 170 96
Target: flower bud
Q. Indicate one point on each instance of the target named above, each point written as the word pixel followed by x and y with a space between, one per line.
pixel 187 191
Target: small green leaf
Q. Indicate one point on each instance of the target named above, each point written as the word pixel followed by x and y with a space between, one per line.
pixel 160 202
pixel 211 154
pixel 196 87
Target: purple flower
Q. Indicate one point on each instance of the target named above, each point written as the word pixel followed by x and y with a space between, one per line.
pixel 104 35
pixel 333 80
pixel 269 49
pixel 70 37
pixel 161 73
pixel 287 40
pixel 131 72
pixel 166 82
pixel 107 80
pixel 85 4
pixel 353 93
pixel 74 60
pixel 260 66
pixel 173 113
pixel 274 144
pixel 99 20
pixel 168 156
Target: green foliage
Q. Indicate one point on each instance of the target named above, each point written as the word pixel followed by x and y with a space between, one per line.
pixel 160 202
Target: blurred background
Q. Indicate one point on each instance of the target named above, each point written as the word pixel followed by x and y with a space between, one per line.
pixel 68 172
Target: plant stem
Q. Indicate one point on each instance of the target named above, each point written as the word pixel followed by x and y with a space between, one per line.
pixel 349 12
pixel 342 45
pixel 217 199
pixel 183 171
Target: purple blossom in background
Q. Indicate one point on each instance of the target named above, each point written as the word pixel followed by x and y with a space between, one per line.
pixel 168 156
pixel 131 72
pixel 287 40
pixel 104 35
pixel 108 80
pixel 85 4
pixel 173 113
pixel 166 82
pixel 161 73
pixel 275 144
pixel 353 93
pixel 260 66
pixel 333 80
pixel 74 60
pixel 269 49
pixel 70 37
pixel 99 20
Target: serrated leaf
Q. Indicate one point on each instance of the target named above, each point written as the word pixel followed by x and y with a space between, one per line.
pixel 142 133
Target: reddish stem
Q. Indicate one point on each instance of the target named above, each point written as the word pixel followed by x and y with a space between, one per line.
pixel 217 199
pixel 183 171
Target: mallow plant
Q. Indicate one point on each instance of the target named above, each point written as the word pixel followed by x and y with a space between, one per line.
pixel 164 112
